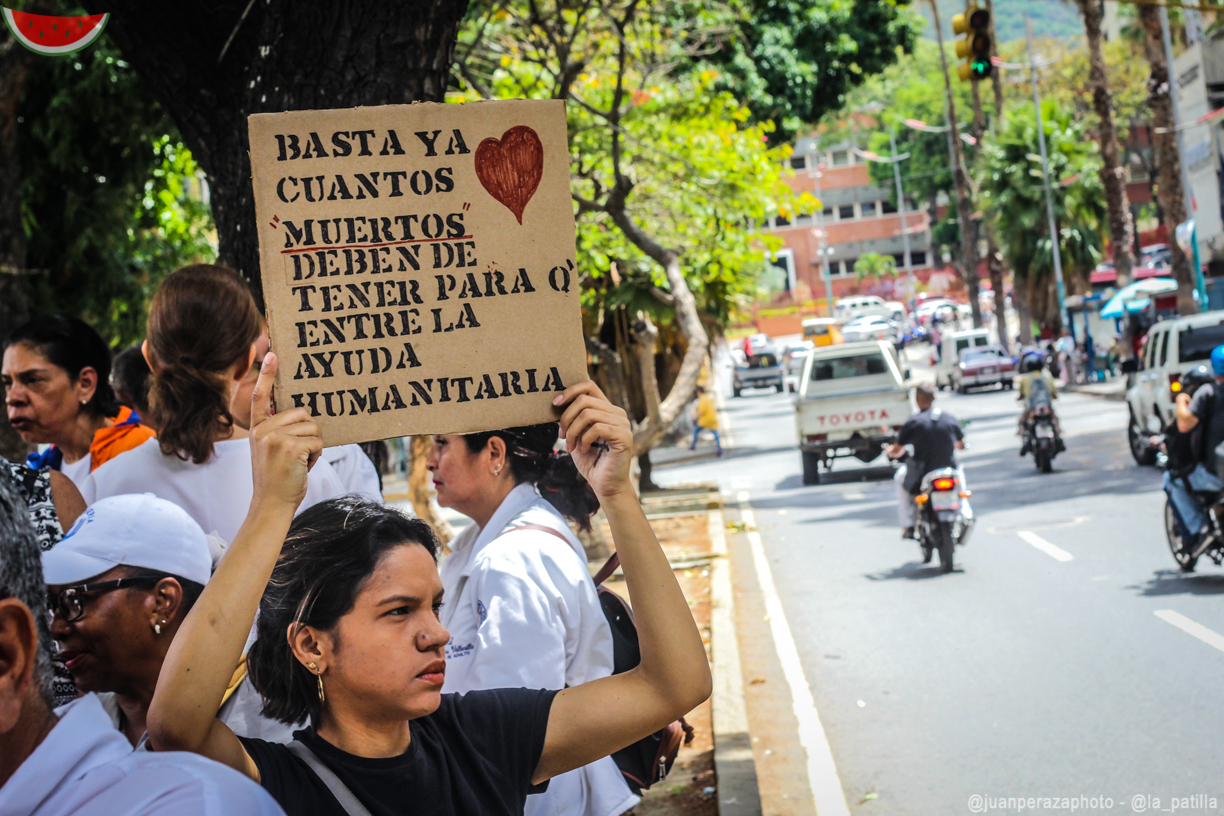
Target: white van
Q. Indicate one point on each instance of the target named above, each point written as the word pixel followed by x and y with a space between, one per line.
pixel 849 308
pixel 951 345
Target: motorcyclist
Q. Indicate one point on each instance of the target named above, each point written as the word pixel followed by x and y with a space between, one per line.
pixel 1035 387
pixel 935 437
pixel 1203 411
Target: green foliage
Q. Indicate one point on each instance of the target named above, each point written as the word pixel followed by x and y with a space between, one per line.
pixel 874 265
pixel 793 61
pixel 1013 198
pixel 704 174
pixel 1056 20
pixel 105 199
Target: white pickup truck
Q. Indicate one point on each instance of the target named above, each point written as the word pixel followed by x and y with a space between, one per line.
pixel 852 401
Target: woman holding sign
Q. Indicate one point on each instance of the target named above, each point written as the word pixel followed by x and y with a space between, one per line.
pixel 349 633
pixel 521 607
pixel 203 325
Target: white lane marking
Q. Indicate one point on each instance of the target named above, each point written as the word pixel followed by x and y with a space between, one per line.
pixel 822 772
pixel 1057 553
pixel 1191 628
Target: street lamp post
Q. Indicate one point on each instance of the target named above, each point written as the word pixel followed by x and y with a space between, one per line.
pixel 1045 178
pixel 905 244
pixel 820 234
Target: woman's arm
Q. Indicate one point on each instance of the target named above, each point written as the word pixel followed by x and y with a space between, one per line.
pixel 67 499
pixel 200 662
pixel 592 720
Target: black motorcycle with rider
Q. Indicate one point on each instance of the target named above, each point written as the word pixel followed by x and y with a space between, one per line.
pixel 1038 427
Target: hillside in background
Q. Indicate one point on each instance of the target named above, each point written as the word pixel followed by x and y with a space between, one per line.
pixel 1051 18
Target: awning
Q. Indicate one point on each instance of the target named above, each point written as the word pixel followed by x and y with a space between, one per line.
pixel 1135 296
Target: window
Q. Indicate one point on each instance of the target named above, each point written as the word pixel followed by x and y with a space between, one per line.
pixel 887 208
pixel 1196 344
pixel 1164 347
pixel 840 158
pixel 803 219
pixel 798 162
pixel 918 258
pixel 899 260
pixel 762 361
pixel 781 221
pixel 845 212
pixel 843 368
pixel 827 212
pixel 868 209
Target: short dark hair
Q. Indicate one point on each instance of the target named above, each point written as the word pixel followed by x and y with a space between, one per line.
pixel 924 390
pixel 71 344
pixel 131 376
pixel 21 577
pixel 329 554
pixel 529 451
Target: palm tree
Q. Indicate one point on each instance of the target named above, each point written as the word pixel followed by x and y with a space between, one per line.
pixel 1121 224
pixel 1013 200
pixel 1169 182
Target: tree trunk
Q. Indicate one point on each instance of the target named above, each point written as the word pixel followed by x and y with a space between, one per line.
pixel 308 55
pixel 1023 313
pixel 1113 173
pixel 419 492
pixel 1169 184
pixel 14 300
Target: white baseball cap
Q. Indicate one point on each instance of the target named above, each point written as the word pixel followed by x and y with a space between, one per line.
pixel 135 530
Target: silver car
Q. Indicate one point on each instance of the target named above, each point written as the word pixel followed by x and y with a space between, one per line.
pixel 863 329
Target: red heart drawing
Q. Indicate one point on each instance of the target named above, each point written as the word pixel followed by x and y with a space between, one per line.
pixel 510 168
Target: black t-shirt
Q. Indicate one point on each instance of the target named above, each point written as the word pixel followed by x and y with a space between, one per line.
pixel 1208 406
pixel 475 755
pixel 934 434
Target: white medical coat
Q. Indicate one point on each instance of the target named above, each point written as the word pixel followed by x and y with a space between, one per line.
pixel 523 612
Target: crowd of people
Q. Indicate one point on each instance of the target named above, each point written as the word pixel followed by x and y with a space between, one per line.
pixel 204 609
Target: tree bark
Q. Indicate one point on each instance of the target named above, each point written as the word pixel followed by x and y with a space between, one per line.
pixel 1169 183
pixel 309 55
pixel 1113 172
pixel 1023 313
pixel 14 296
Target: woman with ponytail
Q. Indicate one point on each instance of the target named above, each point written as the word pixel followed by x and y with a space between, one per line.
pixel 521 607
pixel 203 326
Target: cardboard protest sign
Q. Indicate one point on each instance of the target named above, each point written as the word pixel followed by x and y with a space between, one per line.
pixel 418 265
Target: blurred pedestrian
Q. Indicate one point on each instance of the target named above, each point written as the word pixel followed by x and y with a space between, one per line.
pixel 1066 349
pixel 705 418
pixel 203 325
pixel 57 390
pixel 130 380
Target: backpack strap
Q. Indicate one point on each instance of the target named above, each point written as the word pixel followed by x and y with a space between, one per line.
pixel 349 802
pixel 605 571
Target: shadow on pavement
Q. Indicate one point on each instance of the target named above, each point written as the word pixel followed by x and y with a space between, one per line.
pixel 1175 582
pixel 912 571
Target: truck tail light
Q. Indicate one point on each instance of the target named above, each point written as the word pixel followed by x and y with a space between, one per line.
pixel 946 483
pixel 817 437
pixel 1174 385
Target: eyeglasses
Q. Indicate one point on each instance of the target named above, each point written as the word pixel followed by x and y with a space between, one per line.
pixel 69 602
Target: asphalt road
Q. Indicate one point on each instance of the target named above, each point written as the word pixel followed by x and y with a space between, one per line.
pixel 1018 674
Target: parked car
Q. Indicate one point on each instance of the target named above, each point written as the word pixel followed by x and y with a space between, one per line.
pixel 762 370
pixel 852 401
pixel 795 356
pixel 1157 255
pixel 755 344
pixel 898 310
pixel 947 356
pixel 849 308
pixel 1172 348
pixel 870 328
pixel 822 331
pixel 982 366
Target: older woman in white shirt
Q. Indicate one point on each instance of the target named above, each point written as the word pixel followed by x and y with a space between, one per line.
pixel 521 607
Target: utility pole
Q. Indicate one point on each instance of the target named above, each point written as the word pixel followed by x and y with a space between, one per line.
pixel 905 244
pixel 1045 177
pixel 820 231
pixel 1187 194
pixel 964 207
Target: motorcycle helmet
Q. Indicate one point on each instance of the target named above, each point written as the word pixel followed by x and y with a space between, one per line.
pixel 1217 361
pixel 1032 364
pixel 1195 377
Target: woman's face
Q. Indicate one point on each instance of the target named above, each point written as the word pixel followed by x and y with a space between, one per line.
pixel 42 400
pixel 386 658
pixel 112 647
pixel 460 477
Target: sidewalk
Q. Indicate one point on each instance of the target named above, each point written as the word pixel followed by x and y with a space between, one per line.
pixel 1114 389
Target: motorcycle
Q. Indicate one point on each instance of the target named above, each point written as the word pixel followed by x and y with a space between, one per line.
pixel 941 525
pixel 1041 437
pixel 1182 544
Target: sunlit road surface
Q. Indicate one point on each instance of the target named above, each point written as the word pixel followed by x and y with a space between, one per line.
pixel 1065 657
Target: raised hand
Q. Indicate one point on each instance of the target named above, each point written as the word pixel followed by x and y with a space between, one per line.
pixel 598 437
pixel 284 446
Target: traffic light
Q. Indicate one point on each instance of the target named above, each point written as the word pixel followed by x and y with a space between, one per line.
pixel 974 47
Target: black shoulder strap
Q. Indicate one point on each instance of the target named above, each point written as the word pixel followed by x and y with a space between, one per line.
pixel 605 571
pixel 347 799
